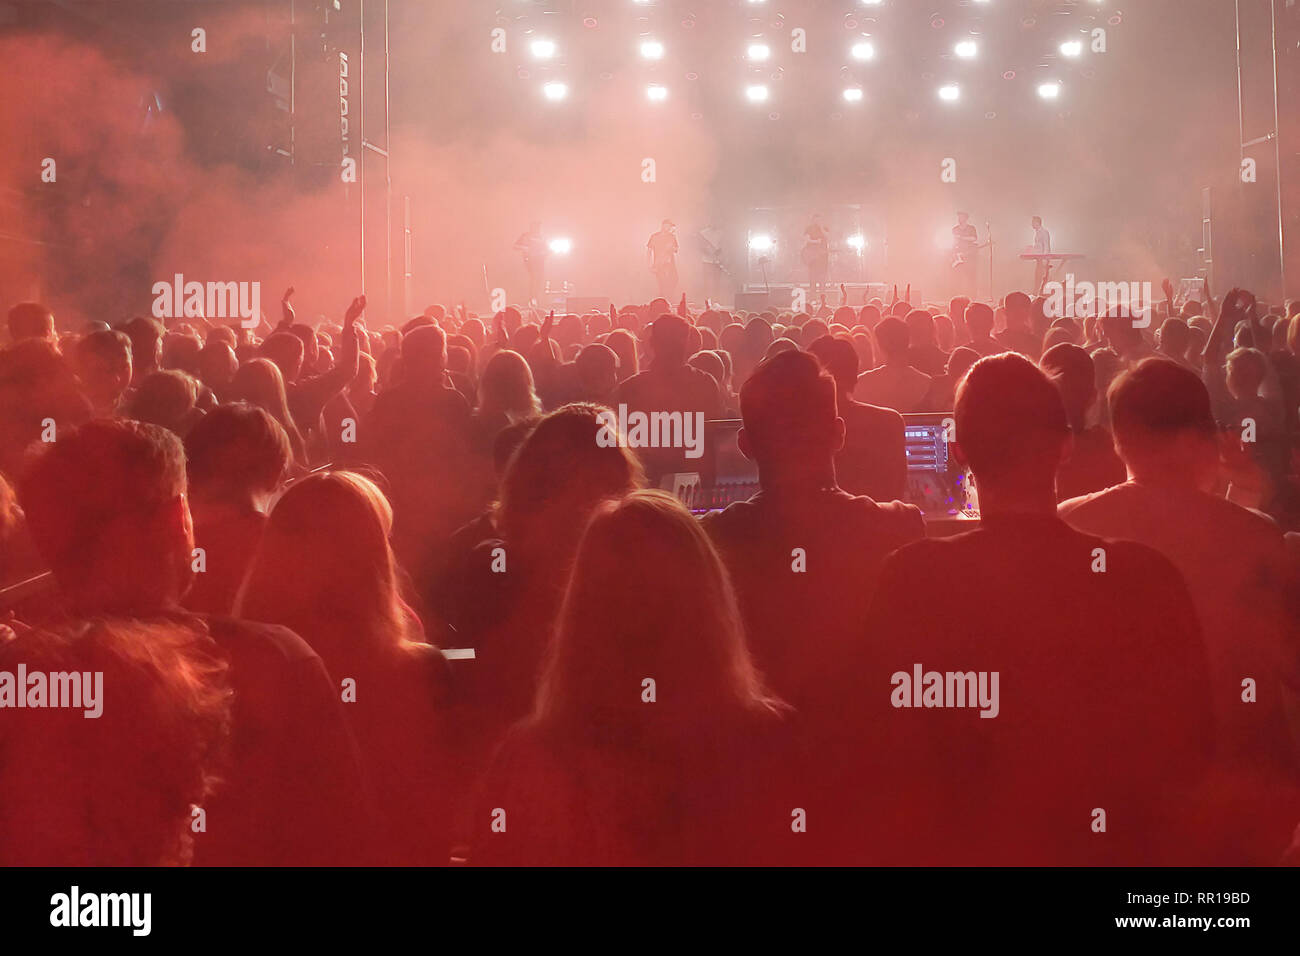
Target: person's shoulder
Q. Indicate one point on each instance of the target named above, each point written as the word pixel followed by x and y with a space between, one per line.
pixel 253 639
pixel 738 514
pixel 1131 561
pixel 453 397
pixel 427 670
pixel 901 518
pixel 922 559
pixel 632 384
pixel 877 414
pixel 1244 523
pixel 1084 504
pixel 701 380
pixel 386 401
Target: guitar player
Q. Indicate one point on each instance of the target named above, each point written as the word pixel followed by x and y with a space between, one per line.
pixel 817 254
pixel 965 245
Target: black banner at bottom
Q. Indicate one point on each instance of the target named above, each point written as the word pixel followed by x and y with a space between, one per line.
pixel 338 906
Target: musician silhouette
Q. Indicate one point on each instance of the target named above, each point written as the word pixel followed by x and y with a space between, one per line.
pixel 1042 246
pixel 965 245
pixel 533 246
pixel 817 253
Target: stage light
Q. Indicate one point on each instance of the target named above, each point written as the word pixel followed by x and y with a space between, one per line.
pixel 652 50
pixel 862 51
pixel 853 94
pixel 555 90
pixel 1049 91
pixel 966 49
pixel 1072 48
pixel 950 93
pixel 856 242
pixel 561 246
pixel 761 243
pixel 656 93
pixel 542 49
pixel 756 94
pixel 758 51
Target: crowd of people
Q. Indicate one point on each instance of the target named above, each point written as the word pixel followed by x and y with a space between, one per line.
pixel 379 595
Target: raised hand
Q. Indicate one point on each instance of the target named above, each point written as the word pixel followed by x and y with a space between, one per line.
pixel 354 310
pixel 287 315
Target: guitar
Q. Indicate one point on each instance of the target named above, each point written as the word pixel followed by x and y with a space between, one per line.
pixel 967 253
pixel 816 251
pixel 532 245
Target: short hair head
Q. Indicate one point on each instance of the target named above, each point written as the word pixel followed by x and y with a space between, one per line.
pixel 1011 424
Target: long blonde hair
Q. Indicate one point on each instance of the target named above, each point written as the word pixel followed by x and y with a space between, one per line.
pixel 325 569
pixel 649 597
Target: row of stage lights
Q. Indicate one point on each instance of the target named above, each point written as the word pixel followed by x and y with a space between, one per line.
pixel 556 90
pixel 760 243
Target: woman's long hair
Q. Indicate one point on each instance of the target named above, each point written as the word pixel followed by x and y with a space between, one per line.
pixel 648 598
pixel 507 388
pixel 260 383
pixel 623 343
pixel 557 477
pixel 325 569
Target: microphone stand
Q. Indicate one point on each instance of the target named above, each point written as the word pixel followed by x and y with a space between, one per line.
pixel 988 228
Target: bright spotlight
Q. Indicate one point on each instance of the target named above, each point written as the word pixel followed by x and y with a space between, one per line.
pixel 758 51
pixel 966 49
pixel 761 243
pixel 1049 91
pixel 856 242
pixel 555 90
pixel 656 93
pixel 1072 48
pixel 560 245
pixel 542 49
pixel 950 93
pixel 652 50
pixel 862 51
pixel 853 94
pixel 756 94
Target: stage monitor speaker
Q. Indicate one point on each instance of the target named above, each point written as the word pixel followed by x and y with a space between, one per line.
pixel 589 303
pixel 777 298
